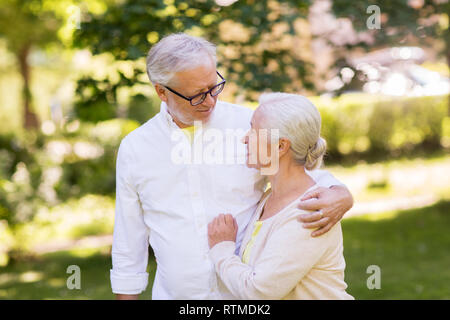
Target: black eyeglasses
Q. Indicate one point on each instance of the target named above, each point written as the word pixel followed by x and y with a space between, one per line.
pixel 199 98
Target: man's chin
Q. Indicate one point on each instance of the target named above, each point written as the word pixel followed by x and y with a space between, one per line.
pixel 203 116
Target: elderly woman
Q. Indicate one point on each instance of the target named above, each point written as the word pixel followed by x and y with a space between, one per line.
pixel 278 258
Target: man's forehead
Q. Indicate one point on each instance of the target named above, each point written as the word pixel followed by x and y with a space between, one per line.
pixel 198 76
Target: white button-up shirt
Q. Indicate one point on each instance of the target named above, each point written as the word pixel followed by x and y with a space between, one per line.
pixel 166 201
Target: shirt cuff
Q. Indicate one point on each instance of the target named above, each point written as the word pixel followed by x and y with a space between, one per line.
pixel 128 284
pixel 222 250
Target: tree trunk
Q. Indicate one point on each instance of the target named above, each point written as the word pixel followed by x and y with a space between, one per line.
pixel 447 42
pixel 30 119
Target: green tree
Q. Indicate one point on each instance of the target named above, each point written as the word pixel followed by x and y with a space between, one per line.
pixel 418 22
pixel 256 43
pixel 27 24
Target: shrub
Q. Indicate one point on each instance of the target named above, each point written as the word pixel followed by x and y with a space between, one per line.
pixel 142 108
pixel 371 126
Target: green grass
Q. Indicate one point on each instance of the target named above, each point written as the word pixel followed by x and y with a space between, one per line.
pixel 45 277
pixel 411 248
pixel 386 179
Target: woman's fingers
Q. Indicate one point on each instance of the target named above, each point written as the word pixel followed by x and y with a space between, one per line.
pixel 222 221
pixel 235 224
pixel 214 224
pixel 229 220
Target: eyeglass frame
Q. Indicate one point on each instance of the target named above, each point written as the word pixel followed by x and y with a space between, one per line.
pixel 201 93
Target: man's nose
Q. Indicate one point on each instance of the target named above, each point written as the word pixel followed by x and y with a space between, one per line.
pixel 210 101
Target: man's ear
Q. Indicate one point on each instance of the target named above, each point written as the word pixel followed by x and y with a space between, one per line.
pixel 161 92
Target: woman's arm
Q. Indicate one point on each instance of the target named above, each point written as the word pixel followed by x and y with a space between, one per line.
pixel 289 254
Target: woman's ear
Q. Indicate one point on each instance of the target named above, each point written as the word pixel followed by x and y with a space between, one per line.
pixel 161 92
pixel 283 146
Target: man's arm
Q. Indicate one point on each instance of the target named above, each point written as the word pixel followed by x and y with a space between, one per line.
pixel 130 241
pixel 329 203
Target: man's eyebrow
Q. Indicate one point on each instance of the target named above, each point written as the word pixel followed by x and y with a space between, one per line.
pixel 199 91
pixel 202 90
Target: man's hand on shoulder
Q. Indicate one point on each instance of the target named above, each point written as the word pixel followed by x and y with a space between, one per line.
pixel 328 206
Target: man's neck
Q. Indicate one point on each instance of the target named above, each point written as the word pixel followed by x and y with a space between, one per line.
pixel 180 124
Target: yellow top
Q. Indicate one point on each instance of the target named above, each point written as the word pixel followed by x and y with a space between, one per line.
pixel 248 248
pixel 189 131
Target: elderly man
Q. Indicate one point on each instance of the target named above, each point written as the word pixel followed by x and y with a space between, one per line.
pixel 169 204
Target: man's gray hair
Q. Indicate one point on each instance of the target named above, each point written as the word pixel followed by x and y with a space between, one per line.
pixel 297 120
pixel 177 52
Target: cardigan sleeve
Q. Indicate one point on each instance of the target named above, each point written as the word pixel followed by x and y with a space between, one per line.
pixel 289 254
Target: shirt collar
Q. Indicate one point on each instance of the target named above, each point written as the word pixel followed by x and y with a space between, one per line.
pixel 166 116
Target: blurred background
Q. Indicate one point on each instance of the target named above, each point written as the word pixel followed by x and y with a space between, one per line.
pixel 73 84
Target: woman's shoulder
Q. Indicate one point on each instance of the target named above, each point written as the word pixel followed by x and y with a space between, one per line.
pixel 289 220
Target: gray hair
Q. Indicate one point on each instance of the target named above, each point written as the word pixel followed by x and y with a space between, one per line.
pixel 297 120
pixel 177 52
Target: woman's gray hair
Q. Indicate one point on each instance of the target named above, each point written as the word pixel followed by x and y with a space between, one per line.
pixel 177 52
pixel 297 120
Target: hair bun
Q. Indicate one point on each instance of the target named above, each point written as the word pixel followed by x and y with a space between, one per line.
pixel 315 153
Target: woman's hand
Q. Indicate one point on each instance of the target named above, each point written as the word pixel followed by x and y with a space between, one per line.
pixel 223 228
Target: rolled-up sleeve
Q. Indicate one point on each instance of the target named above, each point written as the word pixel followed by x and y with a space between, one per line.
pixel 130 240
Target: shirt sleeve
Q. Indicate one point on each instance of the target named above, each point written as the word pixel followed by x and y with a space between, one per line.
pixel 278 269
pixel 324 178
pixel 130 240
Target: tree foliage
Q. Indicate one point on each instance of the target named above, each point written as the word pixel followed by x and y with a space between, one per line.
pixel 405 21
pixel 27 24
pixel 255 39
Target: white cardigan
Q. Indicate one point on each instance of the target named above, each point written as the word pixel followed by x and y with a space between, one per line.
pixel 285 261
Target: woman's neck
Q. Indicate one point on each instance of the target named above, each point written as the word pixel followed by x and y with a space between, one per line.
pixel 290 181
